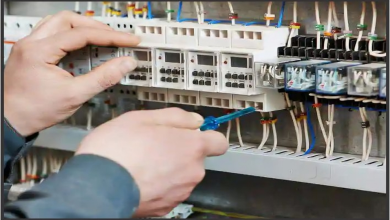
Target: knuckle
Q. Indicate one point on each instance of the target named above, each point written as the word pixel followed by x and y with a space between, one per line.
pixel 175 111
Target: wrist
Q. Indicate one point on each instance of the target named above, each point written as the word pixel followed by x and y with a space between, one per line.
pixel 15 118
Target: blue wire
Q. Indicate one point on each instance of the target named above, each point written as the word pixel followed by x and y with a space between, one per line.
pixel 258 22
pixel 281 14
pixel 179 11
pixel 225 21
pixel 150 16
pixel 311 129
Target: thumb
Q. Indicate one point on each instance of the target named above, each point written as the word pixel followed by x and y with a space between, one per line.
pixel 104 76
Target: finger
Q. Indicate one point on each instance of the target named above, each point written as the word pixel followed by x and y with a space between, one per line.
pixel 171 117
pixel 63 21
pixel 103 77
pixel 214 143
pixel 79 37
pixel 41 22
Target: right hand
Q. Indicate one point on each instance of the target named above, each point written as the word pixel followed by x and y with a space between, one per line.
pixel 161 149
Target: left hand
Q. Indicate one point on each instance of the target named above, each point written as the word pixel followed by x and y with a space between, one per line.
pixel 37 93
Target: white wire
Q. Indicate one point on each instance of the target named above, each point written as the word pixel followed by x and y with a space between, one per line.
pixel 318 23
pixel 77 6
pixel 239 132
pixel 361 22
pixel 322 127
pixel 34 167
pixel 336 20
pixel 197 11
pixel 29 164
pixel 373 26
pixel 292 116
pixel 116 6
pixel 299 147
pixel 89 6
pixel 144 15
pixel 229 128
pixel 130 13
pixel 330 140
pixel 231 11
pixel 264 139
pixel 346 23
pixel 137 7
pixel 44 165
pixel 329 27
pixel 104 9
pixel 201 11
pixel 294 20
pixel 274 133
pixel 304 121
pixel 269 7
pixel 169 15
pixel 364 134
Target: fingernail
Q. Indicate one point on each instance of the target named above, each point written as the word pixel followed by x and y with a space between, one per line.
pixel 198 117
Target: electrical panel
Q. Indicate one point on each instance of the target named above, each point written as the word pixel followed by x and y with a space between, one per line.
pixel 170 69
pixel 203 71
pixel 100 55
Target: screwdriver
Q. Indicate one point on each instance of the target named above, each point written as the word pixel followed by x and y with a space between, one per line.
pixel 212 123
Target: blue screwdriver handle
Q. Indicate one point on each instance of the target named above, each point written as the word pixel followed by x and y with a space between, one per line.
pixel 212 123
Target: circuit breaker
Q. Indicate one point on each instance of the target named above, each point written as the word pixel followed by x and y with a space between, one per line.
pixel 100 55
pixel 170 69
pixel 142 75
pixel 203 71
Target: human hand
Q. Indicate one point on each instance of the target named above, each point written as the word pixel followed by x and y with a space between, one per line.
pixel 37 93
pixel 161 149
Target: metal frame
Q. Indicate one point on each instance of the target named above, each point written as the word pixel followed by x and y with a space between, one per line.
pixel 340 170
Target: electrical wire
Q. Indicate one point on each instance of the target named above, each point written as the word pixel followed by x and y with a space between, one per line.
pixel 197 11
pixel 137 7
pixel 294 20
pixel 318 23
pixel 34 168
pixel 274 133
pixel 130 13
pixel 22 170
pixel 346 23
pixel 29 167
pixel 44 166
pixel 77 7
pixel 304 121
pixel 150 15
pixel 290 109
pixel 169 14
pixel 366 134
pixel 231 11
pixel 329 27
pixel 335 18
pixel 330 138
pixel 269 7
pixel 311 128
pixel 116 6
pixel 104 9
pixel 322 127
pixel 89 6
pixel 361 23
pixel 89 118
pixel 373 26
pixel 201 11
pixel 145 12
pixel 299 147
pixel 239 132
pixel 229 128
pixel 264 139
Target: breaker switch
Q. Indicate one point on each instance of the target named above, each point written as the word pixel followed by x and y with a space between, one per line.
pixel 241 76
pixel 228 76
pixel 194 73
pixel 169 79
pixel 162 79
pixel 175 80
pixel 208 83
pixel 175 71
pixel 143 78
pixel 234 76
pixel 195 82
pixel 207 74
pixel 201 82
pixel 137 77
pixel 241 85
pixel 162 70
pixel 234 85
pixel 228 84
pixel 131 77
pixel 201 73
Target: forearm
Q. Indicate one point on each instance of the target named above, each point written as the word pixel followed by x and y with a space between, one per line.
pixel 87 186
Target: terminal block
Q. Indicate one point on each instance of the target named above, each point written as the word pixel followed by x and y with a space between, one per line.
pixel 363 80
pixel 270 73
pixel 332 79
pixel 300 76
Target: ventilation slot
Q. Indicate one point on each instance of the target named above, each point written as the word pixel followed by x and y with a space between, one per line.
pixel 218 102
pixel 337 158
pixel 344 161
pixel 162 97
pixel 225 103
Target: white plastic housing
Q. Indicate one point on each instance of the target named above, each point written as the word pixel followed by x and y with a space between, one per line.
pixel 100 55
pixel 170 69
pixel 363 80
pixel 152 94
pixel 184 97
pixel 237 74
pixel 216 100
pixel 77 62
pixel 143 74
pixel 270 100
pixel 203 71
pixel 382 92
